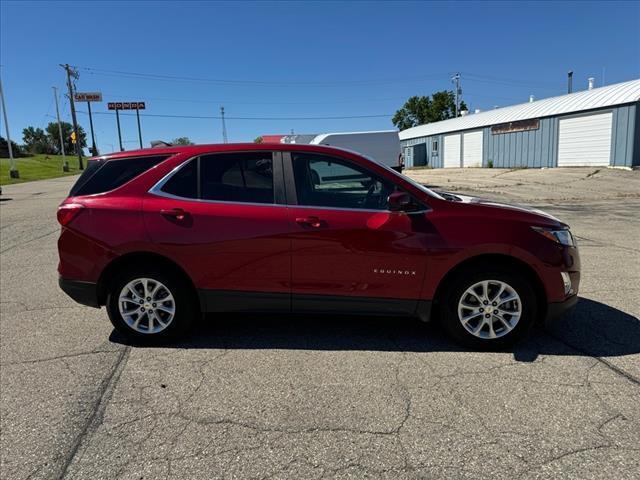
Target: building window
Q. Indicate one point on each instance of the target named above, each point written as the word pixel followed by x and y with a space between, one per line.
pixel 434 146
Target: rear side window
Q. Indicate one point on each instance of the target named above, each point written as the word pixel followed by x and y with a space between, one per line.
pixel 184 182
pixel 245 177
pixel 238 177
pixel 92 167
pixel 104 175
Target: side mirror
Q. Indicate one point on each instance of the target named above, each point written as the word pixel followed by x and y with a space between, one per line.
pixel 400 202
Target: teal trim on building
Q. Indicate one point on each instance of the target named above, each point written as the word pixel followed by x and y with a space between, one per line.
pixel 623 136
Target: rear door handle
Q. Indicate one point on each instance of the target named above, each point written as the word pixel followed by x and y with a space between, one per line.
pixel 177 213
pixel 314 222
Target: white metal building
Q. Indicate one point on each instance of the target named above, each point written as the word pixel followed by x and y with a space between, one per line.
pixel 595 127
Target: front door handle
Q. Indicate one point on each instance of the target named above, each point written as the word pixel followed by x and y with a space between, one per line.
pixel 177 213
pixel 314 222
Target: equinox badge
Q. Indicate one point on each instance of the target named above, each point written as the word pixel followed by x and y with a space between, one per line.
pixel 390 271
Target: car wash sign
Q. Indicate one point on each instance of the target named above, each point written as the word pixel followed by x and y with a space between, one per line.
pixel 87 96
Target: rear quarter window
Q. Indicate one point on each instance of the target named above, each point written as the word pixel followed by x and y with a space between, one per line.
pixel 105 175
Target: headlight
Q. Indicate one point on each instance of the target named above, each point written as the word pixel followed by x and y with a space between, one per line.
pixel 562 236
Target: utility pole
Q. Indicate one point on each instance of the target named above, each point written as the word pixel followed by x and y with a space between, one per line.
pixel 139 131
pixel 119 133
pixel 13 171
pixel 65 164
pixel 224 126
pixel 458 92
pixel 94 150
pixel 72 73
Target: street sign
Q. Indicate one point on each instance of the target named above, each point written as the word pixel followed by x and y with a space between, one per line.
pixel 87 96
pixel 73 137
pixel 137 106
pixel 126 105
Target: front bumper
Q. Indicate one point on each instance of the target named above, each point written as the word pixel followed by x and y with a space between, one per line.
pixel 85 293
pixel 556 309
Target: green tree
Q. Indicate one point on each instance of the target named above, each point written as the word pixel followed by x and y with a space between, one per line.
pixel 4 148
pixel 67 129
pixel 36 141
pixel 420 110
pixel 182 141
pixel 257 140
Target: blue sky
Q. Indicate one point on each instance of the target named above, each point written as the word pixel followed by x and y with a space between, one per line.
pixel 302 59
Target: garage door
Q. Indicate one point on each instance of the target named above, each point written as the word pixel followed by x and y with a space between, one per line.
pixel 420 155
pixel 585 141
pixel 472 151
pixel 452 151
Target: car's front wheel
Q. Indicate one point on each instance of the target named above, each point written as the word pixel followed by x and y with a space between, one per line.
pixel 150 305
pixel 490 308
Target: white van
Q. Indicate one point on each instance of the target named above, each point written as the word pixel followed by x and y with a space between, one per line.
pixel 383 146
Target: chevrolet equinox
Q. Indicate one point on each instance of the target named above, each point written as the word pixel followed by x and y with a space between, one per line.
pixel 160 236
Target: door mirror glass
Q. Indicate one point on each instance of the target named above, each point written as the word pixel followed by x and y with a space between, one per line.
pixel 401 202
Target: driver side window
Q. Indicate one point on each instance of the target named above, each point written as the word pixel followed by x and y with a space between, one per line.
pixel 324 181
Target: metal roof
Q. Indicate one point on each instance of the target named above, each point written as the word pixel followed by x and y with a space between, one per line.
pixel 617 94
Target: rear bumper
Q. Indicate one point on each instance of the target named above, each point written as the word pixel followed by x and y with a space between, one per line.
pixel 556 309
pixel 85 293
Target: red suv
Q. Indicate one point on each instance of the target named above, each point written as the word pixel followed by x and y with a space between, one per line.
pixel 161 236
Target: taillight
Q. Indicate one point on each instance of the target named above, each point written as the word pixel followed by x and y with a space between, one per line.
pixel 68 212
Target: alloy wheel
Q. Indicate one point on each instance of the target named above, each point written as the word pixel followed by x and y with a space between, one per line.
pixel 489 309
pixel 146 305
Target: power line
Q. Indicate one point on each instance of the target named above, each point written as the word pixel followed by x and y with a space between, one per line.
pixel 506 81
pixel 187 100
pixel 218 117
pixel 512 80
pixel 253 83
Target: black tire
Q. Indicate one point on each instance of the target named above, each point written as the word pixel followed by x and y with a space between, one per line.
pixel 184 303
pixel 457 286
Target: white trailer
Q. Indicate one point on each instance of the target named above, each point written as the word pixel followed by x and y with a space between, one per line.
pixel 383 146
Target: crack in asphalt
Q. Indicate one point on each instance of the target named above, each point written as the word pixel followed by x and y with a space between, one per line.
pixel 59 357
pixel 38 309
pixel 555 458
pixel 356 464
pixel 21 244
pixel 97 411
pixel 606 363
pixel 598 243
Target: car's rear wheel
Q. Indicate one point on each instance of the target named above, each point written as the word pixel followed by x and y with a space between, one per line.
pixel 489 308
pixel 150 305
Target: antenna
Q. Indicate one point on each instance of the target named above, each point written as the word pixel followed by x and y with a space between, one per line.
pixel 458 92
pixel 224 126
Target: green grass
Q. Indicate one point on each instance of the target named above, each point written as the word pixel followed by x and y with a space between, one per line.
pixel 37 167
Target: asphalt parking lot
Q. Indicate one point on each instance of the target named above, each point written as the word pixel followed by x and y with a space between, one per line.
pixel 298 397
